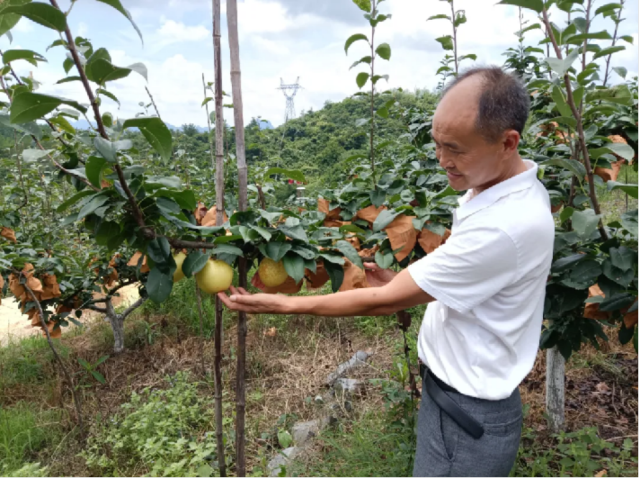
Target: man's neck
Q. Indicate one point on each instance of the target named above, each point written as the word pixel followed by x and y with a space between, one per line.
pixel 515 167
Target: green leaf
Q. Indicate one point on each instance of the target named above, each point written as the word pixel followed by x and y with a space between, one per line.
pixel 375 78
pixel 93 169
pixel 366 59
pixel 294 265
pixel 106 231
pixel 186 199
pixel 446 42
pixel 156 133
pixel 560 67
pixel 581 37
pixel 535 5
pixel 276 250
pixel 365 6
pixel 335 272
pixel 585 223
pixel 28 106
pixel 621 71
pixel 384 261
pixel 109 149
pixel 622 258
pixel 350 252
pixel 29 128
pixel 561 102
pixel 361 79
pixel 92 205
pixel 9 20
pixel 194 262
pixel 384 218
pixel 27 55
pixel 377 197
pixel 295 175
pixel 228 249
pixel 74 199
pixel 108 94
pixel 631 190
pixel 608 7
pixel 205 470
pixel 574 166
pixel 586 271
pixel 61 122
pixel 41 13
pixel 608 51
pixel 159 250
pixel 567 262
pixel 627 38
pixel 629 221
pixel 99 377
pixel 384 51
pixel 354 38
pixel 31 155
pixel 617 302
pixel 118 6
pixel 293 229
pixel 262 232
pixel 442 16
pixel 159 285
pixel 566 213
pixel 284 438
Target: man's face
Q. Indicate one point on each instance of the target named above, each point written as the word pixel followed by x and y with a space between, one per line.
pixel 469 159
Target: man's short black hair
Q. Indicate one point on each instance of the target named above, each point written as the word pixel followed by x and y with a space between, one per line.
pixel 504 101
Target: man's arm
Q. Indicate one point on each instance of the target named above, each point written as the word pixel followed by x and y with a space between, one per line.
pixel 401 293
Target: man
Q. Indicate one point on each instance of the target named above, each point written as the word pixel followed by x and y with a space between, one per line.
pixel 485 286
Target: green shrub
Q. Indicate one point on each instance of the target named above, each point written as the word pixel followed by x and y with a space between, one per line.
pixel 157 433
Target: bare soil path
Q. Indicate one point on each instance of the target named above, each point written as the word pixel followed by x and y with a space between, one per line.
pixel 15 325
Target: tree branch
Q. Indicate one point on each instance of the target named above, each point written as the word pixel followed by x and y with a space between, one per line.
pixel 133 307
pixel 579 128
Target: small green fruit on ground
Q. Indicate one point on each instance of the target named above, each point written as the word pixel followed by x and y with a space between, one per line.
pixel 271 273
pixel 179 259
pixel 216 276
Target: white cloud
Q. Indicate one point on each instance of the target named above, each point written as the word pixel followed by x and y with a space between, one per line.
pixel 172 31
pixel 23 26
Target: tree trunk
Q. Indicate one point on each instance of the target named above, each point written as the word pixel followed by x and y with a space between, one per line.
pixel 117 326
pixel 555 389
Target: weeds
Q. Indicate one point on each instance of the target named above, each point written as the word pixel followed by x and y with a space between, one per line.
pixel 157 433
pixel 25 430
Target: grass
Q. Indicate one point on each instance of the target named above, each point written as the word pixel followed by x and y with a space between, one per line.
pixel 25 431
pixel 27 362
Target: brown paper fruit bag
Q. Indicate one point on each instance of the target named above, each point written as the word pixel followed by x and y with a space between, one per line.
pixel 403 235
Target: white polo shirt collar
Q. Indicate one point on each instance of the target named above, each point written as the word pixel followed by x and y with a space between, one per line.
pixel 470 204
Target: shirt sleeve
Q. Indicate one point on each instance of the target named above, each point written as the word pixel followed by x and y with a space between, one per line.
pixel 473 265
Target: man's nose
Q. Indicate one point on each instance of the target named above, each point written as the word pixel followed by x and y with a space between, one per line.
pixel 445 161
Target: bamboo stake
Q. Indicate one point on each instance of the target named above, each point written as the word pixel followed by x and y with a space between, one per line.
pixel 219 168
pixel 236 89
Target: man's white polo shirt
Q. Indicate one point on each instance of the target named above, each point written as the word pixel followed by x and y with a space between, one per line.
pixel 481 335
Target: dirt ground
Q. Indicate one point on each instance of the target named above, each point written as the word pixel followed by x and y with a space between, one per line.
pixel 15 325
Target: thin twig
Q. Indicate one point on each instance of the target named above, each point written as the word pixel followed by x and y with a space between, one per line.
pixel 65 372
pixel 219 165
pixel 613 44
pixel 373 92
pixel 152 102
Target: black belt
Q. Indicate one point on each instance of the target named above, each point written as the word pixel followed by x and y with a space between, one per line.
pixel 436 389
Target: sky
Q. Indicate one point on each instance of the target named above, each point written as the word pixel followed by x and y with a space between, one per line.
pixel 279 39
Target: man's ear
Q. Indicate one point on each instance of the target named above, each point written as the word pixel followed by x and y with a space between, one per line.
pixel 510 141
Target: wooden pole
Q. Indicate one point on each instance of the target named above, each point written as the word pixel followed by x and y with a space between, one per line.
pixel 236 89
pixel 217 361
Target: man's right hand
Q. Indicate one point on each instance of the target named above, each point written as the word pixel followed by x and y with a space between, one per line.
pixel 376 276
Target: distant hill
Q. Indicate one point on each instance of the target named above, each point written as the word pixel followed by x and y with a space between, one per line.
pixel 83 124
